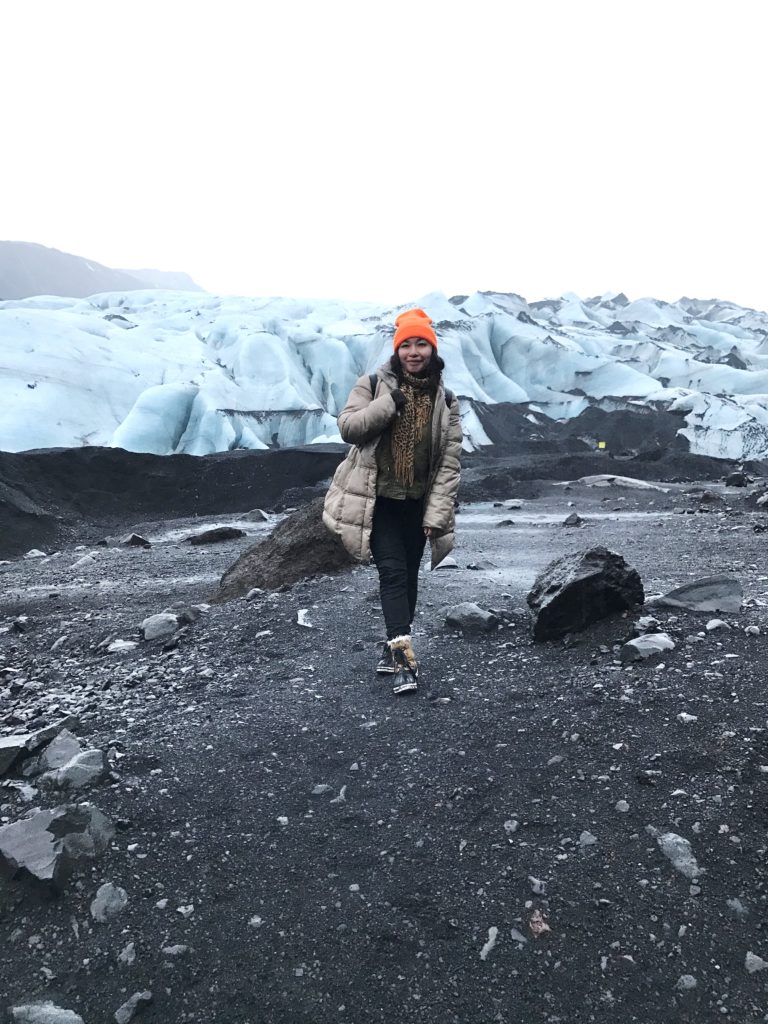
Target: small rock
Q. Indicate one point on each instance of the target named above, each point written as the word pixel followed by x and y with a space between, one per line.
pixel 217 535
pixel 754 963
pixel 622 806
pixel 129 1009
pixel 574 519
pixel 109 901
pixel 84 769
pixel 493 934
pixel 587 839
pixel 714 624
pixel 470 618
pixel 35 553
pixel 685 983
pixel 156 627
pixel 44 1013
pixel 678 851
pixel 685 719
pixel 127 955
pixel 135 540
pixel 645 646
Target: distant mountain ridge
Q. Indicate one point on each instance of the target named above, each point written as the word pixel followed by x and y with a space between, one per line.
pixel 28 269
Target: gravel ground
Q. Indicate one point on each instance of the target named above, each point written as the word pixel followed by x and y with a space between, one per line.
pixel 515 784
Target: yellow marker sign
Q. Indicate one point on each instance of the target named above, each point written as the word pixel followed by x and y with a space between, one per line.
pixel 601 444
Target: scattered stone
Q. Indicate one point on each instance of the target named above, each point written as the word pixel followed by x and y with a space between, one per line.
pixel 44 1013
pixel 493 934
pixel 685 983
pixel 302 618
pixel 708 594
pixel 645 646
pixel 574 519
pixel 449 562
pixel 678 851
pixel 754 963
pixel 119 646
pixel 253 593
pixel 715 624
pixel 109 901
pixel 20 744
pixel 709 498
pixel 685 719
pixel 622 806
pixel 470 618
pixel 217 535
pixel 127 956
pixel 48 844
pixel 752 630
pixel 578 589
pixel 608 480
pixel 506 522
pixel 157 627
pixel 737 479
pixel 178 950
pixel 321 789
pixel 647 624
pixel 132 1006
pixel 86 562
pixel 257 515
pixel 587 839
pixel 59 751
pixel 35 553
pixel 84 769
pixel 135 540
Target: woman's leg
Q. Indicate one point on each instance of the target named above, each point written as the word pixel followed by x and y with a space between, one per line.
pixel 414 549
pixel 388 547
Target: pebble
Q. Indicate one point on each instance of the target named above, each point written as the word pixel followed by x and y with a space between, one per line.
pixel 754 963
pixel 685 983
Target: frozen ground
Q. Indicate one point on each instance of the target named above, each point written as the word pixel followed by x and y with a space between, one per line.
pixel 450 818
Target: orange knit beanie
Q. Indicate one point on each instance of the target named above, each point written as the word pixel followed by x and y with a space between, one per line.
pixel 414 323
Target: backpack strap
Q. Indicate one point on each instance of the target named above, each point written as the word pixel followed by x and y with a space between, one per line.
pixel 373 378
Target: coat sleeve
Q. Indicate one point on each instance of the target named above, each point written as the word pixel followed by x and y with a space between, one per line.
pixel 438 510
pixel 364 417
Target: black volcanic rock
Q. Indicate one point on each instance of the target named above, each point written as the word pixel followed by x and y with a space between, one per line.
pixel 301 546
pixel 576 590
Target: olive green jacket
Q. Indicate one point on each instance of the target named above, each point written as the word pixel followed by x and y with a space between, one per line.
pixel 351 498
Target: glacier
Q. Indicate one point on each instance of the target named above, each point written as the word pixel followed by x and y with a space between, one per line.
pixel 169 372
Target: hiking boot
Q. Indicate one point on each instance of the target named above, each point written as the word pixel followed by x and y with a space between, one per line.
pixel 386 665
pixel 406 666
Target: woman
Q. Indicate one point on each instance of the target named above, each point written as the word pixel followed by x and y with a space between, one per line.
pixel 398 484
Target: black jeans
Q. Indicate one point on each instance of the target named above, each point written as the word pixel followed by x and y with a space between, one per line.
pixel 397 544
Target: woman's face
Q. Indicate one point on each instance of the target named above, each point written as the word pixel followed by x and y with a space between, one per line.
pixel 414 354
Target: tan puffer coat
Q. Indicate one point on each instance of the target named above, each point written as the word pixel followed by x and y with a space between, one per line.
pixel 351 497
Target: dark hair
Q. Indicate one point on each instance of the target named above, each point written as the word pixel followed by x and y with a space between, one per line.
pixel 433 369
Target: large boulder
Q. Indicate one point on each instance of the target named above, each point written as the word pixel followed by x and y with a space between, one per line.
pixel 579 589
pixel 299 547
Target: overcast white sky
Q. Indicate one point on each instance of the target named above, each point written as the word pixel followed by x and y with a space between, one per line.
pixel 325 148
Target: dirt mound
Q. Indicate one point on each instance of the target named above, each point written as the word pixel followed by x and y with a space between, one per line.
pixel 300 547
pixel 44 494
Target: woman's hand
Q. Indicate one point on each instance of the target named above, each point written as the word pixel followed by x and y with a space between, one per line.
pixel 427 531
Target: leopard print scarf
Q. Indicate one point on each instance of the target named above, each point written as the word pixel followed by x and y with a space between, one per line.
pixel 409 426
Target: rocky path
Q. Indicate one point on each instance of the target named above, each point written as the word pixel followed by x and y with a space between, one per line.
pixel 539 837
